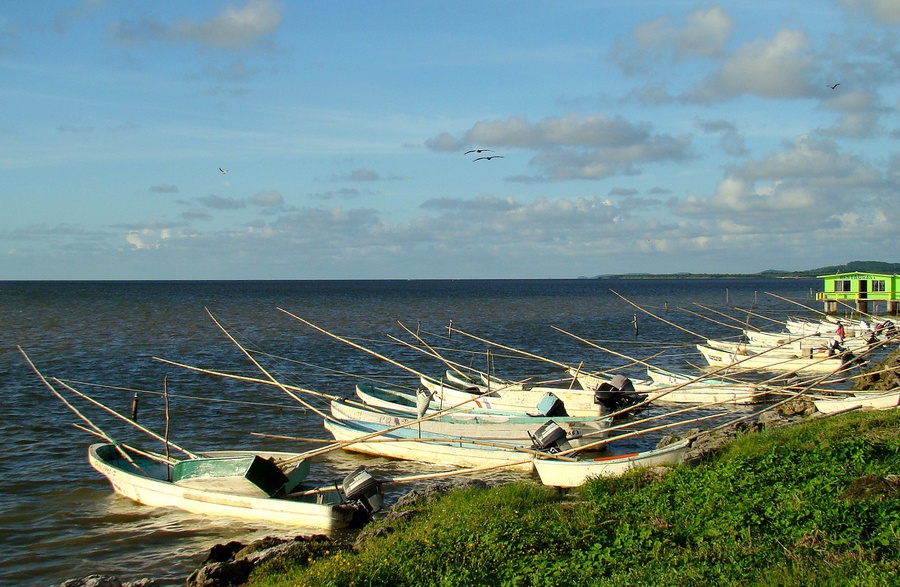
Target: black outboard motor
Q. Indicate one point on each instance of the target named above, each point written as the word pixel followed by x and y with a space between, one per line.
pixel 617 394
pixel 549 437
pixel 551 406
pixel 363 488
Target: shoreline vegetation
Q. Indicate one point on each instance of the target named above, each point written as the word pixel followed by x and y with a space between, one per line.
pixel 796 498
pixel 861 266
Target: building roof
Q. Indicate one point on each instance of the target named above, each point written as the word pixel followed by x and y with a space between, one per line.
pixel 859 275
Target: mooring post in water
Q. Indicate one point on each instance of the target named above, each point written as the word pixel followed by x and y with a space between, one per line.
pixel 726 296
pixel 667 307
pixel 134 407
pixel 635 322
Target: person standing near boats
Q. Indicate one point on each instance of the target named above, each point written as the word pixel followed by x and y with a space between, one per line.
pixel 837 344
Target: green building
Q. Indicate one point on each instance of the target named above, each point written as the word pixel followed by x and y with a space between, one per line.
pixel 859 290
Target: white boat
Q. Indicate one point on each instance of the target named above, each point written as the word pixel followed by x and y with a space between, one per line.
pixel 397 400
pixel 429 448
pixel 753 361
pixel 559 473
pixel 241 473
pixel 145 480
pixel 577 402
pixel 480 425
pixel 827 326
pixel 872 401
pixel 667 387
pixel 798 342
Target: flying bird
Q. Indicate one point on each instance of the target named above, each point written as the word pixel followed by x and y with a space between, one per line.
pixel 834 86
pixel 488 158
pixel 223 171
pixel 477 151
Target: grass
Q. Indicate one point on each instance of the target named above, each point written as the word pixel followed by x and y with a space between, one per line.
pixel 780 508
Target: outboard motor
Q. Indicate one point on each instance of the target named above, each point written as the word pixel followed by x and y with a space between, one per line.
pixel 362 487
pixel 617 394
pixel 551 406
pixel 548 437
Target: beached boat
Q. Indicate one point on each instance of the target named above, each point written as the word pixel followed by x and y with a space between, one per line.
pixel 422 402
pixel 481 425
pixel 668 387
pixel 146 481
pixel 755 361
pixel 882 401
pixel 828 326
pixel 438 449
pixel 576 402
pixel 416 403
pixel 800 342
pixel 560 473
pixel 240 473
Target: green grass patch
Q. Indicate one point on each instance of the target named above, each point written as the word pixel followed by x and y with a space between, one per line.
pixel 775 509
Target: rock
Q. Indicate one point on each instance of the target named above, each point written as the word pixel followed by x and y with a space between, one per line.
pixel 872 486
pixel 878 378
pixel 221 574
pixel 230 565
pixel 799 406
pixel 107 581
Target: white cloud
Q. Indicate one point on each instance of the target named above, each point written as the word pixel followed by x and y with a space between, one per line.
pixel 881 11
pixel 234 28
pixel 268 199
pixel 705 33
pixel 781 67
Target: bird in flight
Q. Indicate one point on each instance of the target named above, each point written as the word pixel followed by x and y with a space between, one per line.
pixel 477 151
pixel 834 86
pixel 488 158
pixel 223 171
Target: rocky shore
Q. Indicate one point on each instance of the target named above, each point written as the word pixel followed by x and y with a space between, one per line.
pixel 230 565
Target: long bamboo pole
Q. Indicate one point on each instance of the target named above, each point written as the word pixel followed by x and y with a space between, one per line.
pixel 125 419
pixel 660 318
pixel 713 320
pixel 745 324
pixel 366 437
pixel 752 313
pixel 75 410
pixel 795 302
pixel 294 396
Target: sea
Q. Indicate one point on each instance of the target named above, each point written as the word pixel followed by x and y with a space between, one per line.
pixel 59 519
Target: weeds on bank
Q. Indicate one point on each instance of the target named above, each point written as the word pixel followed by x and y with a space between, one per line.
pixel 776 508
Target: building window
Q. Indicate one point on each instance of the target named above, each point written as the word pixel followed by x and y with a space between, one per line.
pixel 878 285
pixel 842 285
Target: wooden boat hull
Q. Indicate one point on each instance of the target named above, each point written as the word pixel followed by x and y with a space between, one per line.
pixel 699 392
pixel 797 343
pixel 404 446
pixel 147 485
pixel 559 473
pixel 249 475
pixel 874 402
pixel 784 364
pixel 480 426
pixel 578 402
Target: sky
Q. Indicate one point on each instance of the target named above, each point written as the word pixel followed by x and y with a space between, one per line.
pixel 629 137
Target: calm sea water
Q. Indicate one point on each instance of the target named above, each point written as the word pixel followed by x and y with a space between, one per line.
pixel 59 519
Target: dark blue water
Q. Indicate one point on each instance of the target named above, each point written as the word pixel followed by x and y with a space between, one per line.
pixel 59 518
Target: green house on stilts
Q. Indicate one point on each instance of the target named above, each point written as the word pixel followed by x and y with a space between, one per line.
pixel 860 291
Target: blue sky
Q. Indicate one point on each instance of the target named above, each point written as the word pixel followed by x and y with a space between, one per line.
pixel 636 136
